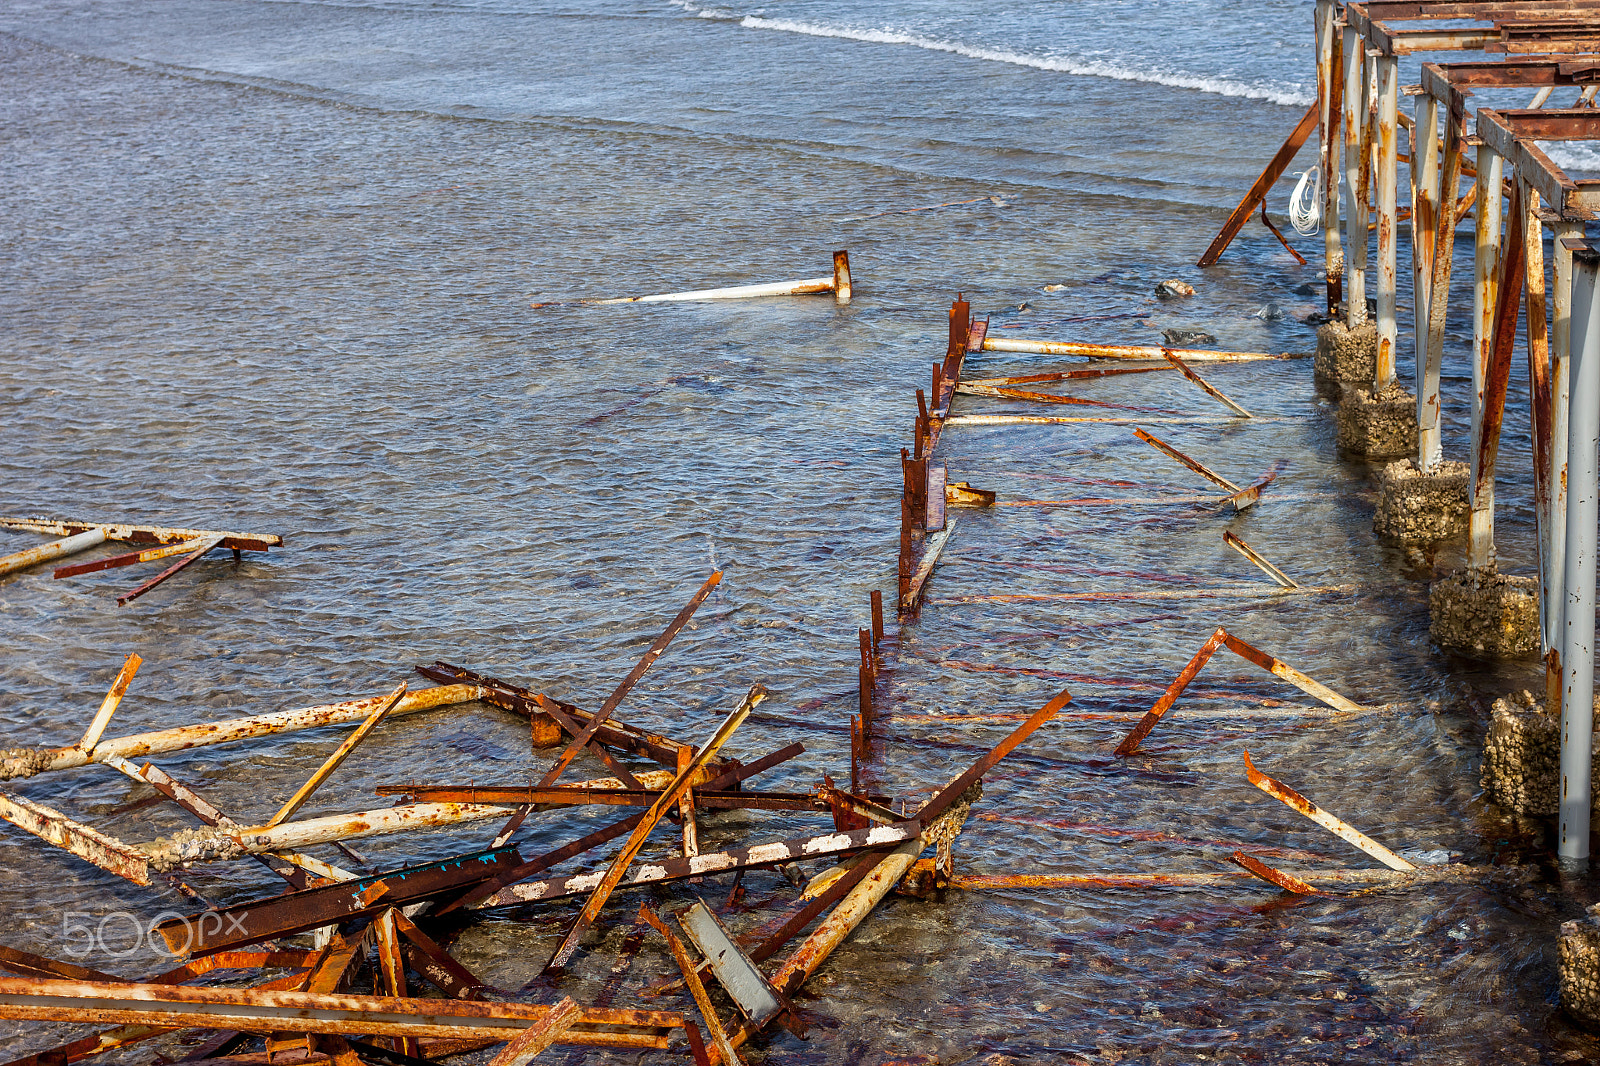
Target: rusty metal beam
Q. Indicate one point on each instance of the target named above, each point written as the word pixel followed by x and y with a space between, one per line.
pixel 137 534
pixel 635 843
pixel 1262 185
pixel 1343 830
pixel 247 1009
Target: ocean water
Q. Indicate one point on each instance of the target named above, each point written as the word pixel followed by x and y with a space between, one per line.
pixel 269 266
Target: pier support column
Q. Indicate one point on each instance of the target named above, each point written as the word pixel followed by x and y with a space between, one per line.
pixel 1387 69
pixel 1485 291
pixel 1479 611
pixel 1423 499
pixel 1354 117
pixel 1330 80
pixel 1582 532
pixel 1552 569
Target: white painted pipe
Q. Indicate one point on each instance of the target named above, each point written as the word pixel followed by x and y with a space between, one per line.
pixel 1583 530
pixel 736 292
pixel 54 550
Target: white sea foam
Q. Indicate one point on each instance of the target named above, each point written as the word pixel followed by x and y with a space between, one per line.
pixel 1095 68
pixel 1572 155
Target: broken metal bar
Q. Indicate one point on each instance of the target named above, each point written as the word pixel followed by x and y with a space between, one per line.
pixel 435 964
pixel 196 805
pixel 627 683
pixel 1271 875
pixel 837 283
pixel 1131 742
pixel 1250 495
pixel 525 702
pixel 28 762
pixel 1123 351
pixel 1344 831
pixel 952 792
pixel 278 916
pixel 738 975
pixel 1068 375
pixel 108 706
pixel 930 558
pixel 524 1047
pixel 104 851
pixel 332 763
pixel 1000 393
pixel 137 534
pixel 962 494
pixel 78 542
pixel 1250 553
pixel 1205 386
pixel 697 989
pixel 250 1009
pixel 610 832
pixel 1279 668
pixel 1198 468
pixel 188 560
pixel 664 870
pixel 572 796
pixel 1263 184
pixel 144 555
pixel 574 729
pixel 635 842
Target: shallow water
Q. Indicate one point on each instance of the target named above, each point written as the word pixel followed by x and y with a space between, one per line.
pixel 269 268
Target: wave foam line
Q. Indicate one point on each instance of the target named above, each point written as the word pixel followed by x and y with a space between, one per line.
pixel 1094 69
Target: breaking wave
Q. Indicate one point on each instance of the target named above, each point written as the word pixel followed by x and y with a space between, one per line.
pixel 1282 94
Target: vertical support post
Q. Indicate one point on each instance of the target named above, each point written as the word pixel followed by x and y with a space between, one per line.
pixel 1429 444
pixel 1539 410
pixel 1583 521
pixel 691 829
pixel 1388 178
pixel 1329 81
pixel 1355 123
pixel 1426 197
pixel 867 675
pixel 1560 392
pixel 877 622
pixel 1485 292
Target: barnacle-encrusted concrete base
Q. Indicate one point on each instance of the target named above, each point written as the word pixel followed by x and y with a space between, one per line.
pixel 1485 614
pixel 1416 507
pixel 1345 355
pixel 1381 426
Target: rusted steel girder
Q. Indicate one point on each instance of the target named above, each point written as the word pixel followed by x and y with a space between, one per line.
pixel 635 843
pixel 137 534
pixel 611 832
pixel 575 796
pixel 56 549
pixel 1496 376
pixel 27 762
pixel 246 1009
pixel 626 685
pixel 1263 185
pixel 546 732
pixel 1344 831
pixel 1222 638
pixel 277 916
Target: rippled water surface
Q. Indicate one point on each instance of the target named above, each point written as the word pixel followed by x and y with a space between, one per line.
pixel 269 265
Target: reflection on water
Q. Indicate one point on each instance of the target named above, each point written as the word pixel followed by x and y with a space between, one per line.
pixel 305 312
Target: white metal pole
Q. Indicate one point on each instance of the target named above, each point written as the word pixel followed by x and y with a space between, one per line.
pixel 1583 529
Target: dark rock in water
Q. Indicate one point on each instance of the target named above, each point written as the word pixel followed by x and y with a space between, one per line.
pixel 1174 287
pixel 1316 318
pixel 1187 338
pixel 475 746
pixel 1023 308
pixel 1271 312
pixel 1309 289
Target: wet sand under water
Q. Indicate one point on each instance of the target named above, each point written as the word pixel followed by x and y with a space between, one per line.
pixel 237 307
